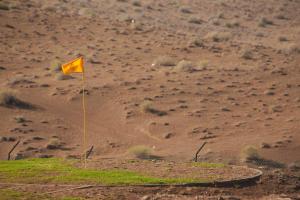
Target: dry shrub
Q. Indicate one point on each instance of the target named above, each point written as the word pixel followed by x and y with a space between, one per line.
pixel 202 65
pixel 9 99
pixel 195 20
pixel 264 22
pixel 140 151
pixel 249 153
pixel 147 107
pixel 290 48
pixel 54 143
pixel 232 24
pixel 55 65
pixel 18 80
pixel 87 12
pixel 163 61
pixel 62 77
pixel 218 36
pixel 137 26
pixel 137 3
pixel 185 66
pixel 3 6
pixel 282 39
pixel 185 10
pixel 20 119
pixel 247 54
pixel 196 42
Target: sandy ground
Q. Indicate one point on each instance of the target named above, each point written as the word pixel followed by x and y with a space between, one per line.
pixel 238 85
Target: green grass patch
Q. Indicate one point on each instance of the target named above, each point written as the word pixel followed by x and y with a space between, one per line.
pixel 63 171
pixel 209 165
pixel 9 194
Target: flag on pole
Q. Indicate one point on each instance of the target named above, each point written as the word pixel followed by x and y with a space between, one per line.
pixel 73 66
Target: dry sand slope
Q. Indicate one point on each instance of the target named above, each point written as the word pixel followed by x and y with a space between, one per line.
pixel 165 74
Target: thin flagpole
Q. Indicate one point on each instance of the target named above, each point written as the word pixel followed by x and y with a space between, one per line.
pixel 84 119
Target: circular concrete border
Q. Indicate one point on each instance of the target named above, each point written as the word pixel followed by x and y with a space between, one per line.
pixel 247 181
pixel 229 183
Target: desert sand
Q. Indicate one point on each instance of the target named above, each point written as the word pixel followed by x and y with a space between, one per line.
pixel 168 75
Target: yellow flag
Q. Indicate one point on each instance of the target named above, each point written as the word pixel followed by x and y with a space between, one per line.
pixel 73 66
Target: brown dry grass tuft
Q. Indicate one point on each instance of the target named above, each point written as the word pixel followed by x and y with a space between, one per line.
pixel 3 6
pixel 249 153
pixel 264 22
pixel 164 61
pixel 218 36
pixel 185 66
pixel 147 107
pixel 62 77
pixel 247 54
pixel 9 99
pixel 54 143
pixel 140 151
pixel 55 65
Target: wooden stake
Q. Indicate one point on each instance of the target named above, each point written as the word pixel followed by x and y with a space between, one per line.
pixel 13 148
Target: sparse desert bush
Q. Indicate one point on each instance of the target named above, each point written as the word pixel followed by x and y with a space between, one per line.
pixel 264 22
pixel 281 16
pixel 19 80
pixel 123 17
pixel 290 48
pixel 195 20
pixel 215 22
pixel 134 25
pixel 87 12
pixel 185 65
pixel 220 15
pixel 147 107
pixel 232 24
pixel 202 65
pixel 247 54
pixel 140 151
pixel 62 77
pixel 218 36
pixel 282 39
pixel 3 6
pixel 137 3
pixel 196 42
pixel 54 143
pixel 185 10
pixel 249 153
pixel 20 119
pixel 55 65
pixel 163 61
pixel 8 99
